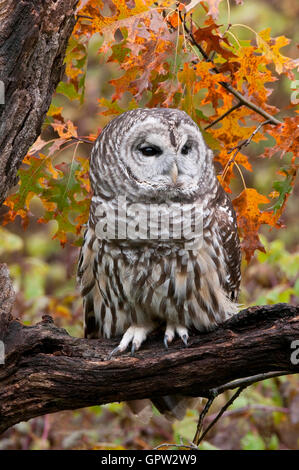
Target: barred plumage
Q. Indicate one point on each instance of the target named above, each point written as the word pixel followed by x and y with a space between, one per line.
pixel 131 286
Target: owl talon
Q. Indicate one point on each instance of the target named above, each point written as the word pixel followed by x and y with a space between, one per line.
pixel 169 335
pixel 134 335
pixel 183 334
pixel 133 349
pixel 113 352
pixel 185 339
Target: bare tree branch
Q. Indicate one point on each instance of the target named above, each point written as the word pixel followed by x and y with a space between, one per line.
pixel 246 142
pixel 199 436
pixel 233 108
pixel 215 392
pixel 239 147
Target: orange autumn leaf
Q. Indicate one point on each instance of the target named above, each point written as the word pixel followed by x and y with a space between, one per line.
pixel 206 79
pixel 229 167
pixel 67 130
pixel 250 217
pixel 174 19
pixel 270 47
pixel 231 131
pixel 82 174
pixel 213 40
pixel 253 74
pixel 100 23
pixel 287 138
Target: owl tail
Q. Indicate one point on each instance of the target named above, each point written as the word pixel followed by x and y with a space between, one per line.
pixel 171 406
pixel 141 409
pixel 174 406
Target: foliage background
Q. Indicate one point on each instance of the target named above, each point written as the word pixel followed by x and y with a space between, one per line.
pixel 265 416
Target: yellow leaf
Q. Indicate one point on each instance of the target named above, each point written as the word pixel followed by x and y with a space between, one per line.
pixel 270 47
pixel 67 130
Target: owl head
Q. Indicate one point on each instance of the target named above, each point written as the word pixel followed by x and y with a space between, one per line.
pixel 156 153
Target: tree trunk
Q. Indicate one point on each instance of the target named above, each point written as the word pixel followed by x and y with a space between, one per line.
pixel 33 40
pixel 46 370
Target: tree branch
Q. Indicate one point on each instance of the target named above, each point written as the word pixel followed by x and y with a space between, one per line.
pixel 198 438
pixel 46 370
pixel 246 142
pixel 239 147
pixel 233 108
pixel 33 40
pixel 228 87
pixel 215 392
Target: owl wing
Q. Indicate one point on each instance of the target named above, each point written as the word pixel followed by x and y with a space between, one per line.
pixel 88 286
pixel 227 223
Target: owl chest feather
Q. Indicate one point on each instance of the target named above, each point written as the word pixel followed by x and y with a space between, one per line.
pixel 155 284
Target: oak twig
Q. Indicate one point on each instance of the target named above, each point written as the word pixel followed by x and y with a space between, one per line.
pixel 199 438
pixel 82 140
pixel 214 393
pixel 239 147
pixel 178 446
pixel 233 108
pixel 246 142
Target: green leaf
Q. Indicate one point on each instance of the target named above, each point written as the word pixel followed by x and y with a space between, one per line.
pixel 62 190
pixel 273 443
pixel 9 242
pixel 252 441
pixel 210 140
pixel 283 188
pixel 296 288
pixel 35 279
pixel 68 90
pixel 205 445
pixel 185 429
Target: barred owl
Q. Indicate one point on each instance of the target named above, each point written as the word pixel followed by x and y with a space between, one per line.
pixel 132 282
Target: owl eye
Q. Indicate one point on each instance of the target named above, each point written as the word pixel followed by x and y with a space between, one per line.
pixel 186 149
pixel 150 151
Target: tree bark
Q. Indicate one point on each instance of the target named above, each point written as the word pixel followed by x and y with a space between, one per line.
pixel 7 298
pixel 33 40
pixel 46 370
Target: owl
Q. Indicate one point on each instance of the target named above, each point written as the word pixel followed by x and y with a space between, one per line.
pixel 133 279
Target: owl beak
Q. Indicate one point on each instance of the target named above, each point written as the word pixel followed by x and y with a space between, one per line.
pixel 174 172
